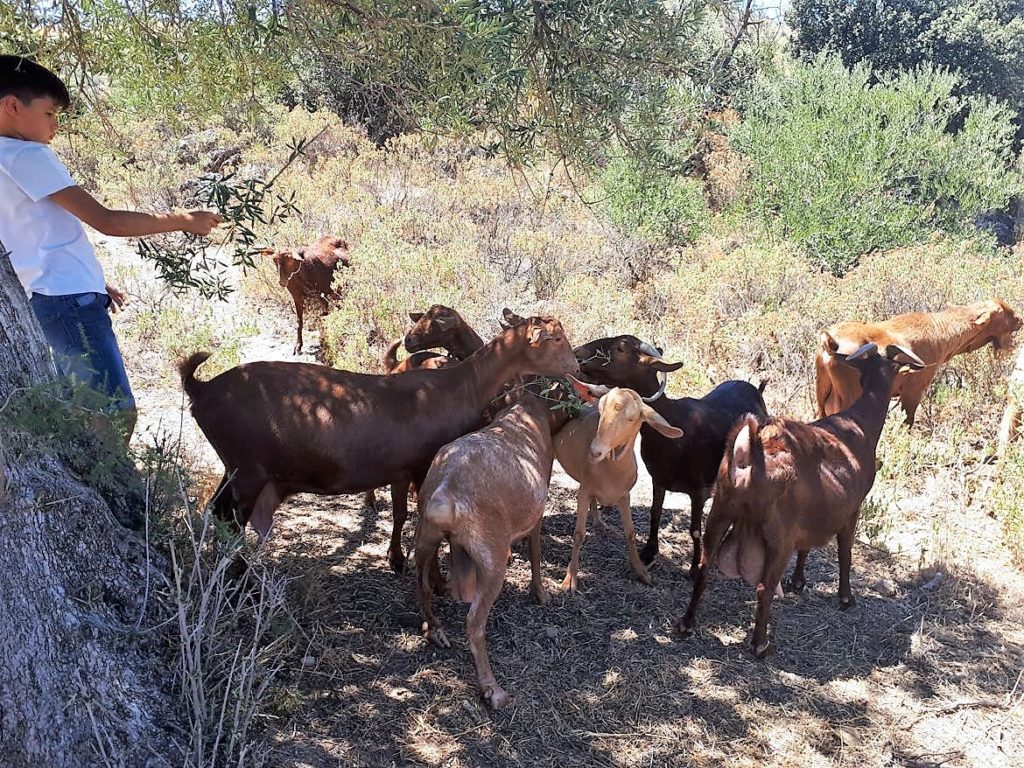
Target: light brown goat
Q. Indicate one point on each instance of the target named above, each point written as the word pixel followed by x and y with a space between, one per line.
pixel 786 486
pixel 483 492
pixel 934 336
pixel 597 451
pixel 286 428
pixel 307 273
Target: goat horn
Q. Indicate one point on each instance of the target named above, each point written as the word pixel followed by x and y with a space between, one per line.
pixel 661 389
pixel 864 351
pixel 650 349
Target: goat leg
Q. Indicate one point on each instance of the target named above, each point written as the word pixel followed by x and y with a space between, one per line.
pixel 696 513
pixel 476 625
pixel 540 594
pixel 775 561
pixel 797 582
pixel 223 501
pixel 583 503
pixel 297 296
pixel 650 550
pixel 844 540
pixel 370 499
pixel 718 527
pixel 399 513
pixel 427 542
pixel 626 513
pixel 598 517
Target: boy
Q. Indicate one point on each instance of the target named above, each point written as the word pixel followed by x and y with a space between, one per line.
pixel 41 215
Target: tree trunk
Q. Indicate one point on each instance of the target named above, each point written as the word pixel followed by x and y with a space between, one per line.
pixel 78 687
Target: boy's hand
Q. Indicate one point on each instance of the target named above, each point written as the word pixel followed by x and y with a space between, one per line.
pixel 117 298
pixel 199 222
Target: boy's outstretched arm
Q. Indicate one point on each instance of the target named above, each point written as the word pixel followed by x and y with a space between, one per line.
pixel 88 209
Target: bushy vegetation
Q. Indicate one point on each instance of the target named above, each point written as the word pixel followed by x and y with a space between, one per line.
pixel 842 167
pixel 662 207
pixel 982 43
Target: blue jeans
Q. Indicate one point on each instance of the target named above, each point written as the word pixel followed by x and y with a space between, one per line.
pixel 78 330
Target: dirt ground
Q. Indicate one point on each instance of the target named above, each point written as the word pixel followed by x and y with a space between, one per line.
pixel 925 671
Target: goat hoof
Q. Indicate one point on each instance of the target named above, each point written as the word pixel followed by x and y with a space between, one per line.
pixel 397 560
pixel 792 585
pixel 569 583
pixel 542 596
pixel 764 650
pixel 846 603
pixel 437 636
pixel 684 629
pixel 496 697
pixel 648 555
pixel 645 577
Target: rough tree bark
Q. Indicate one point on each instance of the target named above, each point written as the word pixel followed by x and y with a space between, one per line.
pixel 77 686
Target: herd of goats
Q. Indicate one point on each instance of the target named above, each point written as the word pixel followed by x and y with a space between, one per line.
pixel 474 432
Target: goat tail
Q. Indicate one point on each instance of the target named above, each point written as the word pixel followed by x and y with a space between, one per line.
pixel 390 358
pixel 762 385
pixel 744 451
pixel 187 369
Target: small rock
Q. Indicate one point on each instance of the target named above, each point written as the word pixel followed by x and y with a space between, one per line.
pixel 932 583
pixel 848 736
pixel 308 661
pixel 550 632
pixel 885 587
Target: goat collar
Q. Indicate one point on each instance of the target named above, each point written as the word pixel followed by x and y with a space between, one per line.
pixel 650 349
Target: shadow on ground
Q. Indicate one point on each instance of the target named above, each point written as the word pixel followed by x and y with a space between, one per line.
pixel 597 678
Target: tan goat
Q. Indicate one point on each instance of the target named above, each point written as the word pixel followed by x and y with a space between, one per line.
pixel 596 450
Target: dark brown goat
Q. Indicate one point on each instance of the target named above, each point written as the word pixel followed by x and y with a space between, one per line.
pixel 786 486
pixel 286 428
pixel 307 273
pixel 439 326
pixel 687 464
pixel 483 492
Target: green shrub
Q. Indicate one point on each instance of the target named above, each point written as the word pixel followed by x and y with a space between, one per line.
pixel 842 167
pixel 654 203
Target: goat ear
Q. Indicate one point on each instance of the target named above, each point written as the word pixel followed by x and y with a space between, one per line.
pixel 589 392
pixel 984 318
pixel 829 344
pixel 538 335
pixel 658 364
pixel 415 316
pixel 655 419
pixel 446 322
pixel 904 357
pixel 511 317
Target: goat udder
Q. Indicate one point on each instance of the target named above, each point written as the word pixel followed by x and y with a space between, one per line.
pixel 742 557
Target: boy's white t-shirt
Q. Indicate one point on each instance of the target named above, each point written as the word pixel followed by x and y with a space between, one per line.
pixel 49 250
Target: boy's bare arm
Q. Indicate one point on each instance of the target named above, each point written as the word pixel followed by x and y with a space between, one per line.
pixel 85 207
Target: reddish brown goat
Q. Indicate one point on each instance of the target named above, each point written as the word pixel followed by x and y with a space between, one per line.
pixel 934 336
pixel 483 492
pixel 786 486
pixel 307 273
pixel 286 428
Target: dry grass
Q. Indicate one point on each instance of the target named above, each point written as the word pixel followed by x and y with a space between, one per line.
pixel 599 679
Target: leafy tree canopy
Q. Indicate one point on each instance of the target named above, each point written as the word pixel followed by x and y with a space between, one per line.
pixel 981 41
pixel 561 77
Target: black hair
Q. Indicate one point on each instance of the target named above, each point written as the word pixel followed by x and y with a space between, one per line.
pixel 27 80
